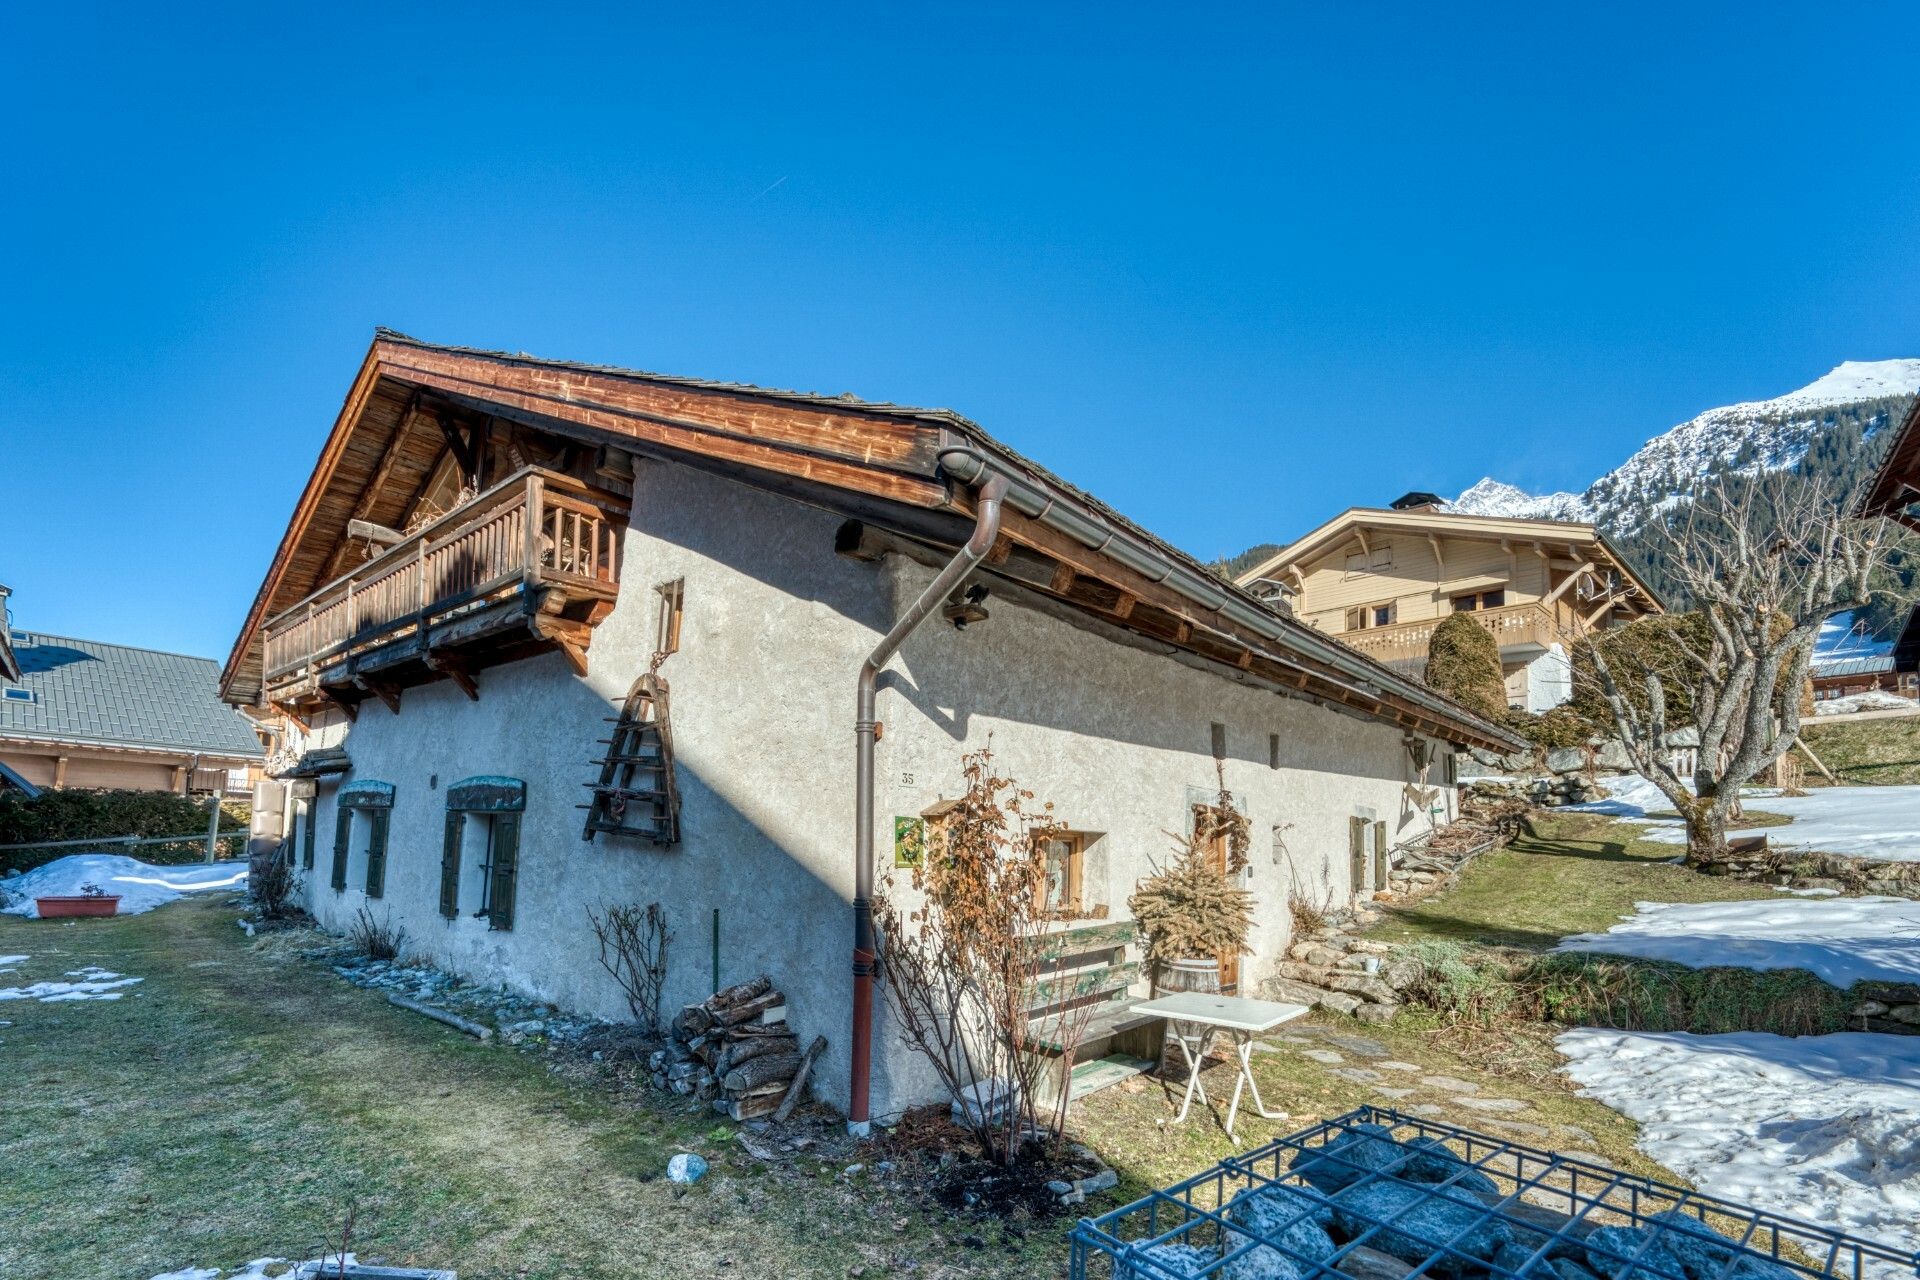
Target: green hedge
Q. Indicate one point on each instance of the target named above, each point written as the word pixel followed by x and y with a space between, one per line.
pixel 97 815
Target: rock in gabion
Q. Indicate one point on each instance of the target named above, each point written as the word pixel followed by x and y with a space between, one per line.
pixel 1705 1253
pixel 1357 1152
pixel 1433 1161
pixel 1632 1253
pixel 1288 1217
pixel 1421 1221
pixel 1164 1262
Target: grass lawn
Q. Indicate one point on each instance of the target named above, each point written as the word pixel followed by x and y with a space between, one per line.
pixel 236 1102
pixel 239 1099
pixel 1884 752
pixel 1567 873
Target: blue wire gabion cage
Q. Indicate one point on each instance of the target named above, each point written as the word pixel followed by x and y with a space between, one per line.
pixel 1379 1195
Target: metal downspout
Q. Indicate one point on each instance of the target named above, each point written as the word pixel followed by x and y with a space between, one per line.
pixel 986 528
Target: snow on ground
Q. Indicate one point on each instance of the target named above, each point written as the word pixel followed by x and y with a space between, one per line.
pixel 1871 700
pixel 94 984
pixel 1845 636
pixel 1821 1127
pixel 141 885
pixel 1840 940
pixel 9 963
pixel 1863 822
pixel 257 1269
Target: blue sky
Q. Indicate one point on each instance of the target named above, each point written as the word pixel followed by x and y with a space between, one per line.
pixel 1232 269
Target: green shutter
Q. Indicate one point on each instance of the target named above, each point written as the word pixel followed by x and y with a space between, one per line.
pixel 306 847
pixel 377 852
pixel 1379 855
pixel 450 866
pixel 506 866
pixel 1357 854
pixel 342 825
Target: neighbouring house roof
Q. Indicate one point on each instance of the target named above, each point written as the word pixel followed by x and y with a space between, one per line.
pixel 1836 667
pixel 318 763
pixel 1329 536
pixel 87 692
pixel 1895 484
pixel 910 471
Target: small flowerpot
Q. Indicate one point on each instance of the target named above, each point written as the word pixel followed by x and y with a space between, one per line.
pixel 58 907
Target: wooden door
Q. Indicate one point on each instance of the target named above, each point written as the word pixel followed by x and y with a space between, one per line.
pixel 1229 964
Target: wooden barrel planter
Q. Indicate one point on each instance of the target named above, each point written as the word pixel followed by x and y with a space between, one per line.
pixel 60 906
pixel 1190 974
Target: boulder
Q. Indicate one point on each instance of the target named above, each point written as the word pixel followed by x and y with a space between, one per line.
pixel 1164 1260
pixel 1377 1014
pixel 1422 1220
pixel 1705 1253
pixel 1566 760
pixel 1612 754
pixel 1684 736
pixel 1364 985
pixel 1632 1253
pixel 1286 1226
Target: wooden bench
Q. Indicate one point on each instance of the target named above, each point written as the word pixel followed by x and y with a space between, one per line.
pixel 1086 973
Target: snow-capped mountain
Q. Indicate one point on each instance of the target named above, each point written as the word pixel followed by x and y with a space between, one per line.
pixel 1860 396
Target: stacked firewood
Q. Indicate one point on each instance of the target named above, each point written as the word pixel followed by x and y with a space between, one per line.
pixel 737 1048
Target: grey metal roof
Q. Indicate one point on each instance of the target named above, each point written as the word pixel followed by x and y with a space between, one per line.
pixel 1853 666
pixel 87 691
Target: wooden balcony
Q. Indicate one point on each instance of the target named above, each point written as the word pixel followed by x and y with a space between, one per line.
pixel 1513 626
pixel 532 564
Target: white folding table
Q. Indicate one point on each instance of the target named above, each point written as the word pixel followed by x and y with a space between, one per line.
pixel 1197 1016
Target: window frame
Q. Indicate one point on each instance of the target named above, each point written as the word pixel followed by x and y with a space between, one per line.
pixel 1073 905
pixel 502 801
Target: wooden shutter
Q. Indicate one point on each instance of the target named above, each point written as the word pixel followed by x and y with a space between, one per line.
pixel 1379 855
pixel 450 865
pixel 377 852
pixel 506 867
pixel 1357 854
pixel 342 827
pixel 306 847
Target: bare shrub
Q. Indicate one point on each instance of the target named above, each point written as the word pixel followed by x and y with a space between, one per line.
pixel 381 939
pixel 270 881
pixel 633 948
pixel 964 969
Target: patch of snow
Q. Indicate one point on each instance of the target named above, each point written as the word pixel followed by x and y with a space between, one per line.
pixel 1628 796
pixel 1871 700
pixel 1820 1127
pixel 94 984
pixel 1845 636
pixel 1841 941
pixel 1806 893
pixel 9 963
pixel 311 1269
pixel 1864 822
pixel 1861 822
pixel 140 885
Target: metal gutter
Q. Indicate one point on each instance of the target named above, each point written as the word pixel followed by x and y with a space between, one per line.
pixel 1065 514
pixel 865 732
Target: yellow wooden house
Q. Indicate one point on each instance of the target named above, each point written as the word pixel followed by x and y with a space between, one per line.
pixel 1381 579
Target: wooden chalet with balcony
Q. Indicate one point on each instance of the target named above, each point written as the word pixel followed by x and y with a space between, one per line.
pixel 1381 580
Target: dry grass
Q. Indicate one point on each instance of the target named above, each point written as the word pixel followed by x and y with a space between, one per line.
pixel 237 1101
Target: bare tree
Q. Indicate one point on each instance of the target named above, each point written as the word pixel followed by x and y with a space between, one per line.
pixel 1765 561
pixel 633 948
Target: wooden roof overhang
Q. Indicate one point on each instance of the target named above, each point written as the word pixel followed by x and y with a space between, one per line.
pixel 878 464
pixel 1337 535
pixel 1895 485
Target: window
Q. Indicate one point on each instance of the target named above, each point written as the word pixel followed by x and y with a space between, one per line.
pixel 363 810
pixel 672 600
pixel 480 853
pixel 1473 601
pixel 1066 872
pixel 17 695
pixel 1363 617
pixel 636 794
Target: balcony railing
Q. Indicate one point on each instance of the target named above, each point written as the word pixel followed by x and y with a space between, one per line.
pixel 536 530
pixel 1514 624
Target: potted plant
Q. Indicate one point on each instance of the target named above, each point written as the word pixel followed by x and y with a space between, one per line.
pixel 92 900
pixel 1191 915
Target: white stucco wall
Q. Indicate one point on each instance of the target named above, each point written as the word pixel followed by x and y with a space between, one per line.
pixel 774 630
